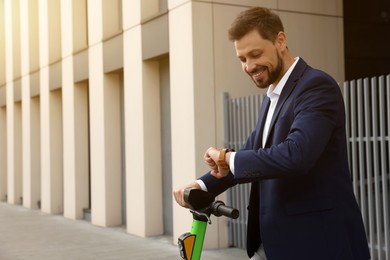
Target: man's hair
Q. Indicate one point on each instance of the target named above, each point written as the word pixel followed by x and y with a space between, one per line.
pixel 267 23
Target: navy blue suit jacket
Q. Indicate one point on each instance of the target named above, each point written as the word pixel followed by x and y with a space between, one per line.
pixel 302 204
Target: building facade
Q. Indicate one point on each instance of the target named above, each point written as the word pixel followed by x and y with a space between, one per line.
pixel 107 105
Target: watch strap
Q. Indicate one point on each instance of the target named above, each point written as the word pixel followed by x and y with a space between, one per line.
pixel 222 158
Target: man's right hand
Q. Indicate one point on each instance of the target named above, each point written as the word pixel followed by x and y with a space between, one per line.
pixel 179 193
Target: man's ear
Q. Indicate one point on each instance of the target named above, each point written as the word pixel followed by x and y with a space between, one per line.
pixel 281 41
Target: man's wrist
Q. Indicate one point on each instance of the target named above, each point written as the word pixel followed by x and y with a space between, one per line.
pixel 227 158
pixel 224 157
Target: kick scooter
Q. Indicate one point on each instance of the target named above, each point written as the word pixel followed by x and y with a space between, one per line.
pixel 202 205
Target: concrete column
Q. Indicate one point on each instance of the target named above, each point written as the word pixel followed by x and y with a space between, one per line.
pixel 105 146
pixel 9 100
pixel 16 193
pixel 51 125
pixel 75 127
pixel 30 185
pixel 193 101
pixel 75 136
pixel 142 131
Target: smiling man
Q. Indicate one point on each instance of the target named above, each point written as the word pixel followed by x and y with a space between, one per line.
pixel 302 205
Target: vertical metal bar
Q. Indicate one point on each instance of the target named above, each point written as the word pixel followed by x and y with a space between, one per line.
pixel 226 119
pixel 353 139
pixel 382 120
pixel 234 138
pixel 378 205
pixel 387 186
pixel 362 178
pixel 370 193
pixel 237 123
pixel 227 132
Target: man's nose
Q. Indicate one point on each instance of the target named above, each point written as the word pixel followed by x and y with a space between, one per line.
pixel 250 66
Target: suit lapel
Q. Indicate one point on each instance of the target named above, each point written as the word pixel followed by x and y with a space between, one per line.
pixel 287 89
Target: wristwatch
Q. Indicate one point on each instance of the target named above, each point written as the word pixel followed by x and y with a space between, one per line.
pixel 222 160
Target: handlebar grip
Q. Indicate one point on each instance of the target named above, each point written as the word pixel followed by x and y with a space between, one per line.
pixel 220 209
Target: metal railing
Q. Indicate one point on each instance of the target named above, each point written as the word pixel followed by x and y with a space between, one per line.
pixel 367 103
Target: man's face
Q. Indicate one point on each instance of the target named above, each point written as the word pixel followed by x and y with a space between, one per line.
pixel 260 59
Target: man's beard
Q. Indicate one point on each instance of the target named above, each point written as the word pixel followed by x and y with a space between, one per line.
pixel 273 75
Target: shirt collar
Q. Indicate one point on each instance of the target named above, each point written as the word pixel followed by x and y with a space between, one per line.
pixel 274 93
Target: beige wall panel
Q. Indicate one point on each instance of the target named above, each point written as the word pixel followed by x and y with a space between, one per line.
pixel 318 40
pixel 3 153
pixel 112 18
pixel 56 153
pixel 33 35
pixel 16 40
pixel 81 127
pixel 149 8
pixel 35 139
pixel 55 75
pixel 113 54
pixel 112 147
pixel 80 26
pixel 155 37
pixel 2 44
pixel 18 90
pixel 3 96
pixel 54 29
pixel 31 152
pixel 80 66
pixel 327 7
pixel 15 177
pixel 34 84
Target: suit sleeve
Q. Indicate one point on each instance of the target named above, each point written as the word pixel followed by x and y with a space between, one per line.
pixel 316 111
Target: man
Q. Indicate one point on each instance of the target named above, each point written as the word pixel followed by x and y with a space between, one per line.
pixel 302 205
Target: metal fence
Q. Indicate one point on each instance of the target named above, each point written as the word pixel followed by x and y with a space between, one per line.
pixel 367 103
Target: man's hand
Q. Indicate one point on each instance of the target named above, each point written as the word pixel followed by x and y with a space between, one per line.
pixel 211 157
pixel 179 193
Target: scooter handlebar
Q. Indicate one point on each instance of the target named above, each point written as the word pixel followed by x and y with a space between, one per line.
pixel 220 209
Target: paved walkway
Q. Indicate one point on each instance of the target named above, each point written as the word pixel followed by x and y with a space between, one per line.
pixel 32 235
